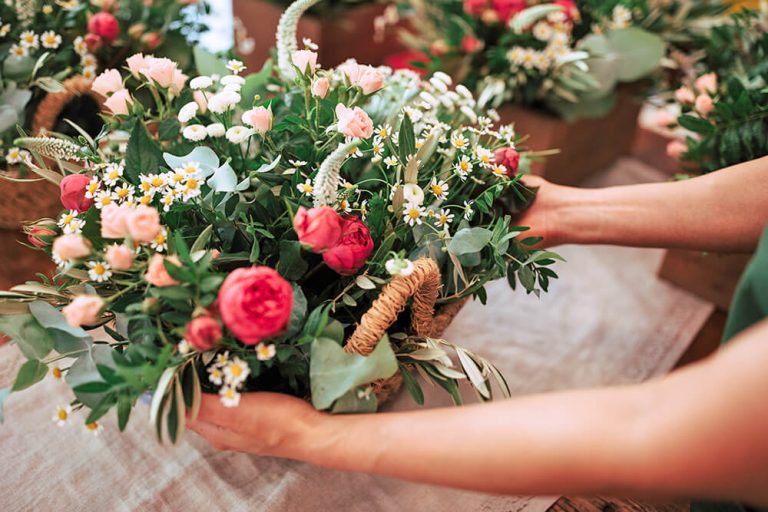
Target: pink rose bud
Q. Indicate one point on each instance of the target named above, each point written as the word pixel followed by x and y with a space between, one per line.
pixel 509 158
pixel 676 149
pixel 157 275
pixel 113 221
pixel 471 45
pixel 255 303
pixel 136 30
pixel 685 96
pixel 665 119
pixel 151 40
pixel 120 257
pixel 40 235
pixel 203 333
pixel 354 122
pixel 93 42
pixel 119 102
pixel 439 48
pixel 107 82
pixel 73 189
pixel 475 7
pixel 71 247
pixel 707 84
pixel 136 63
pixel 201 100
pixel 305 60
pixel 258 118
pixel 143 224
pixel 159 70
pixel 104 25
pixel 368 78
pixel 83 310
pixel 353 248
pixel 704 105
pixel 318 228
pixel 320 87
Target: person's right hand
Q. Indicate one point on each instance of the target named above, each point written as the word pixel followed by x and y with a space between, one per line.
pixel 540 216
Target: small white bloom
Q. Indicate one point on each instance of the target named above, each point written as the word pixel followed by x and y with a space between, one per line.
pixel 188 111
pixel 463 167
pixel 29 39
pixel 51 39
pixel 413 213
pixel 306 187
pixel 232 80
pixel 215 375
pixel 104 198
pixel 383 131
pixel 468 210
pixel 485 156
pixel 239 134
pixel 63 415
pixel 229 397
pixel 390 161
pixel 265 352
pixel 443 218
pixel 215 130
pixel 459 141
pixel 438 188
pixel 499 170
pixel 235 66
pixel 309 44
pixel 112 173
pixel 200 82
pixel 223 101
pixel 18 51
pixel 94 428
pixel 236 372
pixel 184 347
pixel 195 132
pixel 99 271
pixel 70 223
pixel 80 47
pixel 160 242
pixel 412 193
pixel 398 267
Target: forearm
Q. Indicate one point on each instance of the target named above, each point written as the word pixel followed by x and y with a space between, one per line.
pixel 722 211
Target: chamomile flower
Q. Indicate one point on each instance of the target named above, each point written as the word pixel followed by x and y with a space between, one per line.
pixel 344 206
pixel 364 209
pixel 438 188
pixel 621 17
pixel 29 39
pixel 265 352
pixel 463 167
pixel 413 213
pixel 236 372
pixel 543 31
pixel 239 134
pixel 468 210
pixel 70 223
pixel 355 153
pixel 112 173
pixel 484 155
pixel 229 397
pixel 190 188
pixel 306 188
pixel 215 375
pixel 156 182
pixel 443 218
pixel 125 192
pixel 295 166
pixel 499 170
pixel 235 66
pixel 80 47
pixel 62 415
pixel 99 271
pixel 18 51
pixel 175 178
pixel 104 198
pixel 195 132
pixel 383 131
pixel 145 200
pixel 168 199
pixel 94 428
pixel 184 347
pixel 160 242
pixel 222 359
pixel 459 141
pixel 189 168
pixel 13 155
pixel 50 39
pixel 378 150
pixel 390 161
pixel 88 73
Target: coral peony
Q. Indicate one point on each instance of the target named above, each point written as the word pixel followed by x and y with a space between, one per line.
pixel 73 188
pixel 352 250
pixel 318 228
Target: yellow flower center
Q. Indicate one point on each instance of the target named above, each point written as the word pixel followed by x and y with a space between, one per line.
pixel 145 186
pixel 414 213
pixel 113 175
pixel 62 415
pixel 123 193
pixel 230 393
pixel 145 200
pixel 437 190
pixel 192 184
pixel 308 189
pixel 236 370
pixel 92 426
pixel 99 269
pixel 157 181
pixel 105 200
pixel 56 373
pixel 93 187
pixel 160 239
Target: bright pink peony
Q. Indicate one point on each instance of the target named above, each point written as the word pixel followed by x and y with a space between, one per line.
pixel 203 333
pixel 72 189
pixel 352 250
pixel 475 7
pixel 104 25
pixel 509 158
pixel 318 228
pixel 255 303
pixel 508 8
pixel 354 122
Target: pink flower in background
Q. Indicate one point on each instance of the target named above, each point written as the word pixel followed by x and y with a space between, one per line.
pixel 119 102
pixel 258 118
pixel 157 275
pixel 83 310
pixel 354 122
pixel 113 221
pixel 569 8
pixel 104 25
pixel 305 60
pixel 179 80
pixel 475 7
pixel 320 87
pixel 318 228
pixel 120 257
pixel 71 247
pixel 161 70
pixel 136 63
pixel 353 248
pixel 704 105
pixel 107 82
pixel 439 48
pixel 255 303
pixel 406 60
pixel 151 40
pixel 707 84
pixel 93 42
pixel 203 333
pixel 368 78
pixel 676 149
pixel 40 235
pixel 685 95
pixel 509 158
pixel 143 224
pixel 73 188
pixel 665 119
pixel 508 8
pixel 201 100
pixel 471 44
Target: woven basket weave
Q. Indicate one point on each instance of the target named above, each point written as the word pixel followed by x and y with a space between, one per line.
pixel 423 286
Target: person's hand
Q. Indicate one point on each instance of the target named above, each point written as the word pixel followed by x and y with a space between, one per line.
pixel 262 424
pixel 540 216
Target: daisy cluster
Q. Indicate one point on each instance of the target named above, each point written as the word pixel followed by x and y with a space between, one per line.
pixel 230 373
pixel 556 31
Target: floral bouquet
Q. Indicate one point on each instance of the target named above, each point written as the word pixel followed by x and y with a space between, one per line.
pixel 298 230
pixel 50 51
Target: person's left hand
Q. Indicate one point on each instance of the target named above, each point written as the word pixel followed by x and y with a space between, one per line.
pixel 263 423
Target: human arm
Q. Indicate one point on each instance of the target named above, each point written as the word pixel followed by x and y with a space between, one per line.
pixel 722 211
pixel 697 432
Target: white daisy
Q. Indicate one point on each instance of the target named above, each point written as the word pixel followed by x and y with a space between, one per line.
pixel 390 161
pixel 499 170
pixel 468 210
pixel 29 39
pixel 125 192
pixel 88 73
pixel 188 111
pixel 80 47
pixel 306 188
pixel 50 39
pixel 484 155
pixel 70 223
pixel 235 66
pixel 103 198
pixel 229 397
pixel 463 167
pixel 94 428
pixel 89 60
pixel 194 132
pixel 239 134
pixel 5 29
pixel 99 271
pixel 413 213
pixel 383 131
pixel 265 352
pixel 215 375
pixel 443 218
pixel 190 189
pixel 438 188
pixel 112 173
pixel 18 51
pixel 160 242
pixel 168 199
pixel 377 147
pixel 63 415
pixel 215 130
pixel 459 141
pixel 236 372
pixel 200 82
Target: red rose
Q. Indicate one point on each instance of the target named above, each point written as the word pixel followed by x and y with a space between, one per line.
pixel 73 189
pixel 104 25
pixel 255 303
pixel 508 8
pixel 475 7
pixel 569 8
pixel 509 158
pixel 353 248
pixel 203 333
pixel 318 228
pixel 405 60
pixel 471 44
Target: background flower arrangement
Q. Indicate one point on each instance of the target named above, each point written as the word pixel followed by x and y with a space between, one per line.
pixel 243 256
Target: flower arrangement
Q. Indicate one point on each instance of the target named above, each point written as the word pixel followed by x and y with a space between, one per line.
pixel 50 47
pixel 238 247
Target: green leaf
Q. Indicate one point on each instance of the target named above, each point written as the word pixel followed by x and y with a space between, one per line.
pixel 406 138
pixel 202 239
pixel 143 155
pixel 365 283
pixel 92 387
pixel 4 392
pixel 696 124
pixel 31 372
pixel 85 370
pixel 169 129
pixel 254 84
pixel 51 318
pixel 291 265
pixel 207 63
pixel 638 52
pixel 298 313
pixel 469 240
pixel 412 385
pixel 333 372
pixel 123 412
pixel 34 341
pixel 529 16
pixel 354 402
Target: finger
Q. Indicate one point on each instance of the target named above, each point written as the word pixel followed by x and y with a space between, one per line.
pixel 216 435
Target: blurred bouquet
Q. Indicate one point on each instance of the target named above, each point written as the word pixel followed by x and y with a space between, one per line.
pixel 265 233
pixel 53 49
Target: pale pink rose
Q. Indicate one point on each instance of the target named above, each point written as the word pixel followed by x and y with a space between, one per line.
pixel 685 95
pixel 71 247
pixel 83 310
pixel 120 257
pixel 113 221
pixel 119 102
pixel 107 82
pixel 368 78
pixel 320 87
pixel 676 149
pixel 707 83
pixel 157 275
pixel 704 104
pixel 258 118
pixel 305 60
pixel 143 224
pixel 136 63
pixel 354 122
pixel 179 80
pixel 665 119
pixel 201 100
pixel 160 70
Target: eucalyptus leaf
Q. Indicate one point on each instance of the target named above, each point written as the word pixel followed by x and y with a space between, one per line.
pixel 31 372
pixel 34 341
pixel 84 371
pixel 469 240
pixel 355 401
pixel 203 155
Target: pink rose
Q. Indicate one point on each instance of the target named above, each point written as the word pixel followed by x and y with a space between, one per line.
pixel 704 105
pixel 707 84
pixel 471 44
pixel 258 118
pixel 179 80
pixel 203 333
pixel 475 7
pixel 201 100
pixel 83 310
pixel 320 87
pixel 508 8
pixel 305 60
pixel 157 275
pixel 104 25
pixel 109 81
pixel 71 247
pixel 136 63
pixel 72 189
pixel 368 78
pixel 113 221
pixel 665 119
pixel 40 235
pixel 509 158
pixel 676 149
pixel 255 303
pixel 354 122
pixel 151 40
pixel 685 95
pixel 352 250
pixel 120 257
pixel 92 42
pixel 318 228
pixel 159 70
pixel 143 224
pixel 119 102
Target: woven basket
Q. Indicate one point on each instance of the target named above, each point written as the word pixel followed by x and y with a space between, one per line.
pixel 423 286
